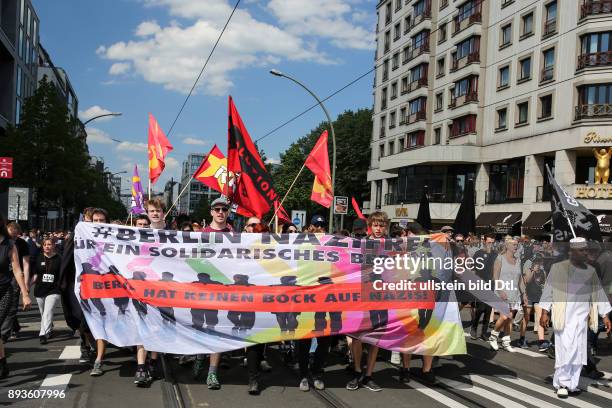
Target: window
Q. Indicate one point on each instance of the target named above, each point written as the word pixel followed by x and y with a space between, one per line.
pixel 398 5
pixel 421 40
pixel 439 101
pixel 418 73
pixel 550 23
pixel 21 14
pixel 504 77
pixel 406 24
pixel 420 8
pixel 527 25
pixel 502 119
pixel 385 75
pixel 463 125
pixel 465 86
pixel 437 136
pixel 415 139
pixel 417 105
pixel 394 90
pixel 467 47
pixel 17 111
pixel 506 36
pixel 391 147
pixel 441 33
pixel 468 9
pixel 383 124
pixel 595 50
pixel 397 32
pixel 388 14
pixel 387 41
pixel 406 54
pixel 20 44
pixel 441 66
pixel 548 61
pixel 18 81
pixel 392 118
pixel 600 94
pixel 546 106
pixel 524 69
pixel 523 113
pixel 402 116
pixel 381 151
pixel 404 85
pixel 35 32
pixel 383 98
pixel 395 61
pixel 29 22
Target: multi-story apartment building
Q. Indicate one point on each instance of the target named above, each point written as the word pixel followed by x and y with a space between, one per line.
pixel 18 58
pixel 196 190
pixel 59 78
pixel 491 90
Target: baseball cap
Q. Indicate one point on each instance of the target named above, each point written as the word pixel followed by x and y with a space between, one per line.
pixel 318 220
pixel 219 201
pixel 447 228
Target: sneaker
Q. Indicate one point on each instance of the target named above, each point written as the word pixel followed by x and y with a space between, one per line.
pixel 142 377
pixel 404 375
pixel 155 369
pixel 473 333
pixel 304 386
pixel 543 345
pixel 493 342
pixel 84 356
pixel 506 344
pixel 395 358
pixel 485 336
pixel 265 366
pixel 562 392
pixel 253 387
pixel 198 370
pixel 523 343
pixel 551 351
pixel 43 340
pixel 213 382
pixel 319 384
pixel 97 369
pixel 354 383
pixel 369 383
pixel 429 377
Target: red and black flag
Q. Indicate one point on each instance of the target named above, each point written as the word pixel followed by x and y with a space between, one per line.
pixel 253 190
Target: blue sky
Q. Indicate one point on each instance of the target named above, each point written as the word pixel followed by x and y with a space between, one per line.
pixel 140 56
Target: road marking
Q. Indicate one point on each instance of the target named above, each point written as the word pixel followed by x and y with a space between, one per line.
pixel 433 394
pixel 518 349
pixel 483 392
pixel 594 387
pixel 71 353
pixel 547 392
pixel 56 381
pixel 478 379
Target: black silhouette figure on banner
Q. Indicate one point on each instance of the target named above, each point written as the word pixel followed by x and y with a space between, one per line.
pixel 425 314
pixel 167 313
pixel 199 317
pixel 287 321
pixel 335 318
pixel 89 270
pixel 121 302
pixel 242 321
pixel 140 307
pixel 378 318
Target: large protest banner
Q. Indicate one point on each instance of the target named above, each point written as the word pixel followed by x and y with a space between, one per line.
pixel 193 292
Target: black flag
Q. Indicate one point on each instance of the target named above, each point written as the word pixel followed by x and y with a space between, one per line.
pixel 564 207
pixel 465 222
pixel 423 217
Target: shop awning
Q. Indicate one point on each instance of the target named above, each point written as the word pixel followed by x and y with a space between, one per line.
pixel 605 223
pixel 497 222
pixel 536 222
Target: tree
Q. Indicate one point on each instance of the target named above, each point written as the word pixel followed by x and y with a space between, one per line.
pixel 353 134
pixel 202 210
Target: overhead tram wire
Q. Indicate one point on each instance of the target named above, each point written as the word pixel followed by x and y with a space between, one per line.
pixel 203 68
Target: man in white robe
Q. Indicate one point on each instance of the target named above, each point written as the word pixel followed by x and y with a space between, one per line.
pixel 575 295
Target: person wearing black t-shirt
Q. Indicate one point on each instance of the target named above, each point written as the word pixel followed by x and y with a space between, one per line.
pixel 47 289
pixel 485 258
pixel 11 326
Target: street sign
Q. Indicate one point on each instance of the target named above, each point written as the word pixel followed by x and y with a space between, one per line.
pixel 18 203
pixel 6 167
pixel 340 205
pixel 298 217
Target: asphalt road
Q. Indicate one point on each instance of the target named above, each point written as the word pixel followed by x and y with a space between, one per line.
pixel 481 378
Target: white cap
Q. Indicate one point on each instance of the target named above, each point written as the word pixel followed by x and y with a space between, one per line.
pixel 578 242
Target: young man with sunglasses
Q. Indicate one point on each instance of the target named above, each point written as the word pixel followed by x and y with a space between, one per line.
pixel 219 210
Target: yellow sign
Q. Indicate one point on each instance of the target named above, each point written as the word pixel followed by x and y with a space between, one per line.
pixel 401 212
pixel 593 137
pixel 594 192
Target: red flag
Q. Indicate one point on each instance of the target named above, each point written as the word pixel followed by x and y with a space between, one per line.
pixel 356 208
pixel 281 213
pixel 254 190
pixel 213 172
pixel 159 146
pixel 318 162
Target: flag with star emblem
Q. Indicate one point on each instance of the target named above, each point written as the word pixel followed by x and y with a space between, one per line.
pixel 318 162
pixel 213 172
pixel 159 146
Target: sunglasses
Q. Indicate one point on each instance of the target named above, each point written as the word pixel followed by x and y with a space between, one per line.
pixel 253 224
pixel 291 231
pixel 220 209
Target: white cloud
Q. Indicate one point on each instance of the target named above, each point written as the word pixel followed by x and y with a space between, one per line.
pixel 171 163
pixel 93 112
pixel 195 142
pixel 119 68
pixel 132 147
pixel 271 160
pixel 95 135
pixel 173 55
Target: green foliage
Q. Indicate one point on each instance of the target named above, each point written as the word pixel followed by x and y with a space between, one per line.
pixel 353 135
pixel 202 210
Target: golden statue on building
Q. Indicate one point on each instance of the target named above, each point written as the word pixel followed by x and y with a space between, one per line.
pixel 602 169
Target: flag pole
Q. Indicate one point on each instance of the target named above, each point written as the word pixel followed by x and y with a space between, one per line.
pixel 178 197
pixel 286 194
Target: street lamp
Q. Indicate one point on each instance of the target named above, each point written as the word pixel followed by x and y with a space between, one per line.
pixel 101 116
pixel 278 73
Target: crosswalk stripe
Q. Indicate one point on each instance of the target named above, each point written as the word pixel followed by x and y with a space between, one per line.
pixel 482 392
pixel 586 384
pixel 433 394
pixel 56 380
pixel 70 353
pixel 519 350
pixel 511 391
pixel 546 391
pixel 607 375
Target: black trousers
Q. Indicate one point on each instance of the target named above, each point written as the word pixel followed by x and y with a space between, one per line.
pixel 254 355
pixel 11 324
pixel 482 309
pixel 320 356
pixel 122 304
pixel 199 317
pixel 378 318
pixel 287 321
pixel 167 314
pixel 335 321
pixel 242 320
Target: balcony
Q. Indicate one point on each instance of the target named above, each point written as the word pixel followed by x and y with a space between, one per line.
pixel 419 83
pixel 416 51
pixel 550 27
pixel 501 197
pixel 595 59
pixel 416 116
pixel 472 58
pixel 596 111
pixel 594 8
pixel 443 4
pixel 425 15
pixel 463 99
pixel 414 197
pixel 543 194
pixel 460 23
pixel 547 74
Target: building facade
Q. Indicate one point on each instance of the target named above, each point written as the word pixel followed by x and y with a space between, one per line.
pixel 196 190
pixel 491 91
pixel 19 40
